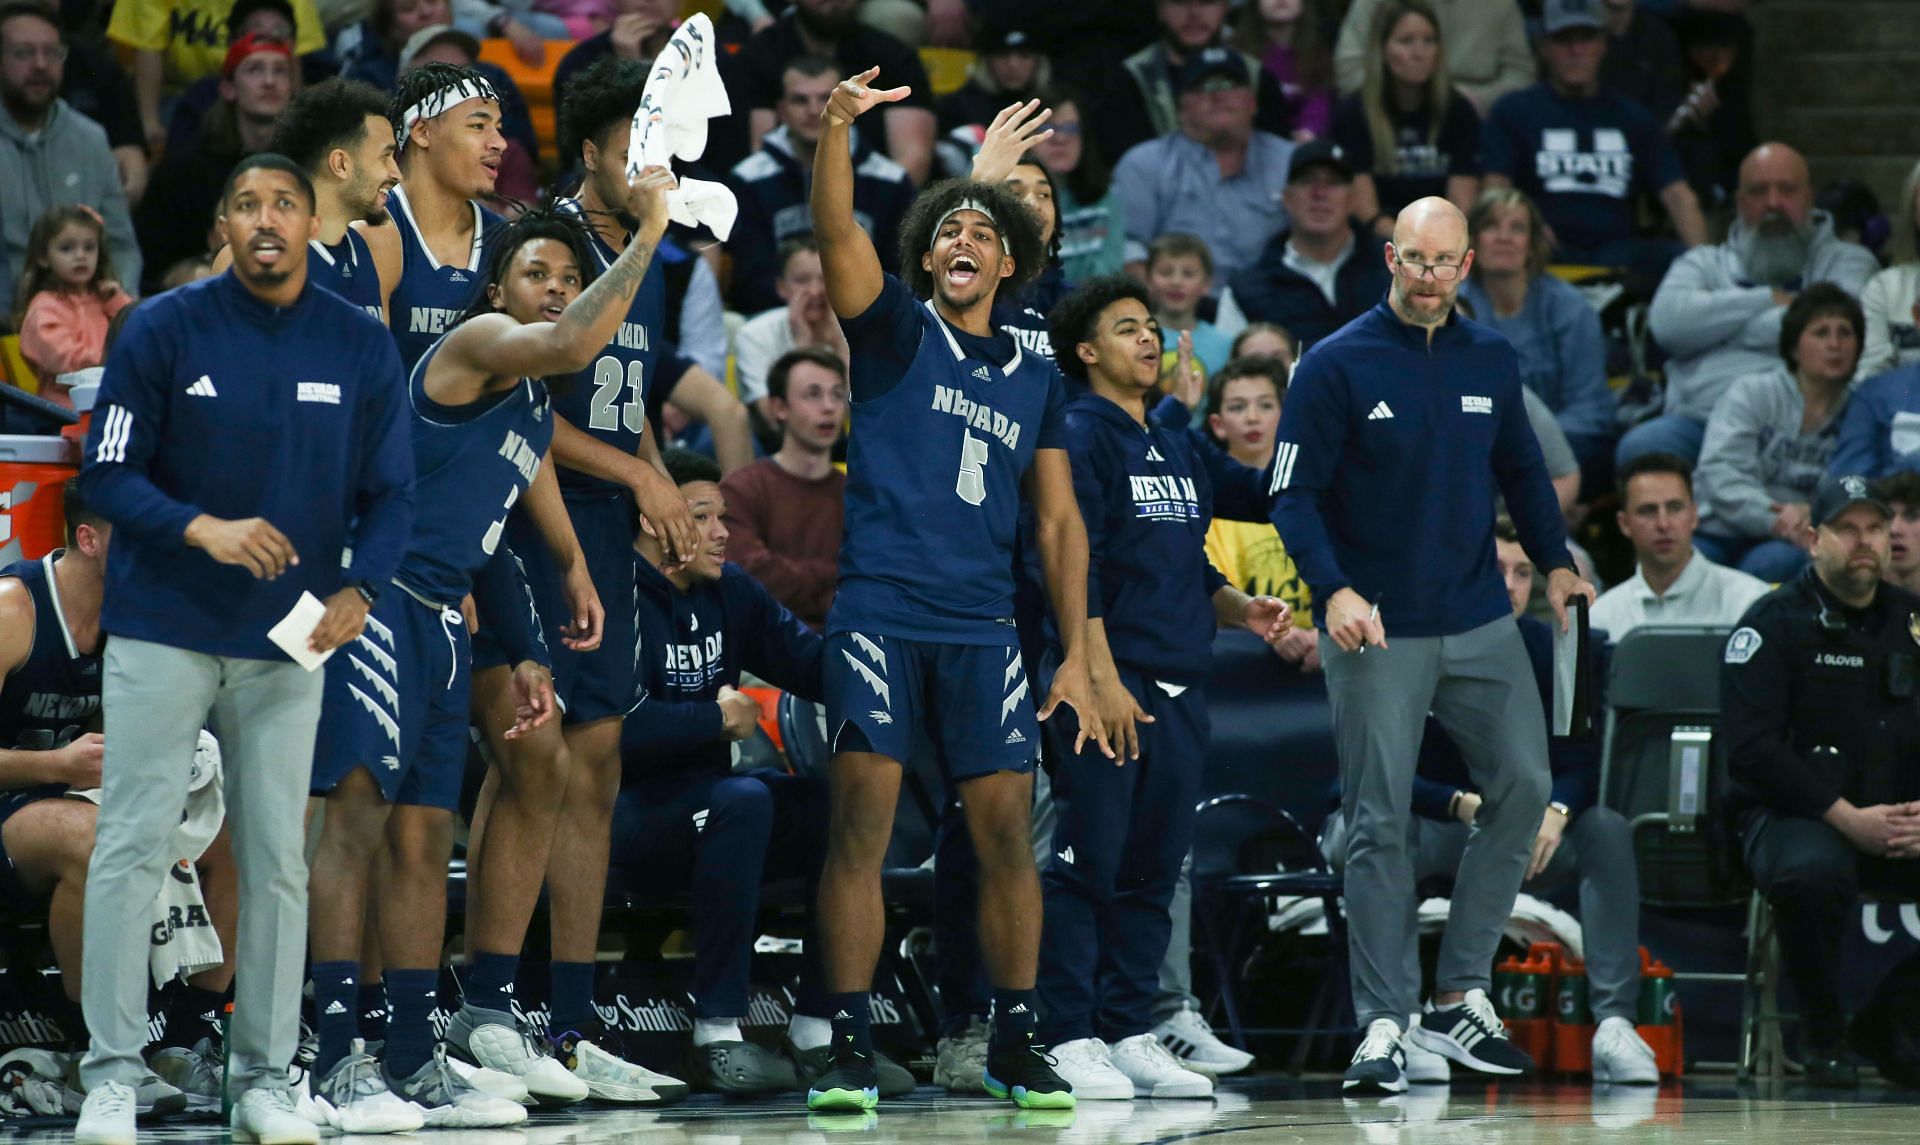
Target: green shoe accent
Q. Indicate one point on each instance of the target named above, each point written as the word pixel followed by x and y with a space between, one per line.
pixel 842 1100
pixel 1027 1099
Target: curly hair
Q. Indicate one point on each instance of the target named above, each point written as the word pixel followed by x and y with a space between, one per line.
pixel 1019 231
pixel 1075 317
pixel 599 100
pixel 327 115
pixel 423 81
pixel 505 240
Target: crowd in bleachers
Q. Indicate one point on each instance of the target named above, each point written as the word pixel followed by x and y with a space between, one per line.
pixel 1701 342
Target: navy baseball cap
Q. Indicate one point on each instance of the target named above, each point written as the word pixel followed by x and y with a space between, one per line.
pixel 1563 15
pixel 1318 152
pixel 1838 494
pixel 1213 63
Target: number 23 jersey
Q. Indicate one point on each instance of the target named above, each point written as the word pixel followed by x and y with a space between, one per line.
pixel 945 425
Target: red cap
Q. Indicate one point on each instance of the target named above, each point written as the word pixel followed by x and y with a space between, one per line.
pixel 250 44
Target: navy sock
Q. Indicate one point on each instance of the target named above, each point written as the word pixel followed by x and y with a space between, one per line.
pixel 335 1015
pixel 571 997
pixel 1015 1016
pixel 373 1010
pixel 850 1022
pixel 194 1014
pixel 411 997
pixel 489 983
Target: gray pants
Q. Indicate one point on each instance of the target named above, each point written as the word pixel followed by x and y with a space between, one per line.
pixel 1480 686
pixel 1176 969
pixel 156 698
pixel 1597 849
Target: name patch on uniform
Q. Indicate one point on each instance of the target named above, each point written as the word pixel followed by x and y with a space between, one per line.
pixel 319 392
pixel 1838 660
pixel 1472 403
pixel 1742 645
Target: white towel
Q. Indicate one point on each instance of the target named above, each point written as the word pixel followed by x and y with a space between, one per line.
pixel 684 92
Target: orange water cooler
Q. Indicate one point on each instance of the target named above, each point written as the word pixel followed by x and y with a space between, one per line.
pixel 32 471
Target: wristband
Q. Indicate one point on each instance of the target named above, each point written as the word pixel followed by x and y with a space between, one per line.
pixel 368 591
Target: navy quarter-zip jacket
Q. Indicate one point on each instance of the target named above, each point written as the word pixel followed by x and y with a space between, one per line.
pixel 1390 456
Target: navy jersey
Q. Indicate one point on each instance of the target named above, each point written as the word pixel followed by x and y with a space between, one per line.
pixel 472 463
pixel 49 700
pixel 430 296
pixel 347 270
pixel 945 425
pixel 609 398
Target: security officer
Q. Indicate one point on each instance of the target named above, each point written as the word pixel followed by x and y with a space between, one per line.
pixel 1818 695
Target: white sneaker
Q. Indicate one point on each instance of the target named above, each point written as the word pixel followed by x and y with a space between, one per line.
pixel 1621 1056
pixel 353 1097
pixel 447 1101
pixel 1379 1065
pixel 106 1116
pixel 1424 1067
pixel 492 1082
pixel 494 1039
pixel 610 1077
pixel 960 1062
pixel 268 1116
pixel 1155 1072
pixel 1087 1065
pixel 1188 1037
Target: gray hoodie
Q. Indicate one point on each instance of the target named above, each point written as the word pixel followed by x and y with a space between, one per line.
pixel 1756 454
pixel 66 161
pixel 1719 325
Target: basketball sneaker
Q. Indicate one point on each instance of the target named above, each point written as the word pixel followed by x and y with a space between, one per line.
pixel 1470 1032
pixel 600 1060
pixel 496 1040
pixel 1024 1073
pixel 849 1085
pixel 447 1100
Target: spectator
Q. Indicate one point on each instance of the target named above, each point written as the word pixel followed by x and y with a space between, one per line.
pixel 1901 492
pixel 268 19
pixel 1671 583
pixel 176 42
pixel 1179 276
pixel 1217 177
pixel 1583 153
pixel 1770 438
pixel 1717 313
pixel 176 219
pixel 1284 35
pixel 804 320
pixel 1002 158
pixel 1563 468
pixel 94 84
pixel 1713 128
pixel 1008 67
pixel 1093 241
pixel 640 29
pixel 1406 132
pixel 1644 63
pixel 1264 339
pixel 696 318
pixel 772 186
pixel 67 296
pixel 1880 432
pixel 684 818
pixel 1144 97
pixel 1892 296
pixel 786 513
pixel 50 154
pixel 1327 269
pixel 827 28
pixel 1487 52
pixel 1563 355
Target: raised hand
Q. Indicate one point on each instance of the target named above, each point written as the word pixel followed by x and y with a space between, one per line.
pixel 1009 137
pixel 647 200
pixel 853 97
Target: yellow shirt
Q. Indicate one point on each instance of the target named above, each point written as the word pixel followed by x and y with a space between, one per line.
pixel 1253 560
pixel 192 34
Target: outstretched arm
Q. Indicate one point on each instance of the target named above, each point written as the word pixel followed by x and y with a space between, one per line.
pixel 851 266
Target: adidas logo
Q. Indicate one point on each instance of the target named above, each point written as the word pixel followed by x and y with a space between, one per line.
pixel 334 1007
pixel 456 276
pixel 1153 454
pixel 1014 736
pixel 983 373
pixel 347 981
pixel 1380 412
pixel 203 388
pixel 843 1016
pixel 700 818
pixel 1019 1008
pixel 1066 856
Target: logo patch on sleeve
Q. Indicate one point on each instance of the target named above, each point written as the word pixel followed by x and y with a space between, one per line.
pixel 1742 645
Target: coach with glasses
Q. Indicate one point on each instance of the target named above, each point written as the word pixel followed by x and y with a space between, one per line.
pixel 1399 433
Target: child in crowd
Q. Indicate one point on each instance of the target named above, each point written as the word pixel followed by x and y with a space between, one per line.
pixel 1179 276
pixel 66 296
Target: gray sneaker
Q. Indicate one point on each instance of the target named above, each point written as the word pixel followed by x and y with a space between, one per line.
pixel 961 1064
pixel 194 1072
pixel 495 1039
pixel 449 1101
pixel 895 1080
pixel 151 1096
pixel 353 1097
pixel 739 1069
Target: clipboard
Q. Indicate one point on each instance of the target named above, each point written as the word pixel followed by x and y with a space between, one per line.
pixel 1573 675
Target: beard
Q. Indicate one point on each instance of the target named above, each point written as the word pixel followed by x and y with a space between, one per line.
pixel 1779 250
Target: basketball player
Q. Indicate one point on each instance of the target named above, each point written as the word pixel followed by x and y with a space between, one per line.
pixel 921 634
pixel 339 132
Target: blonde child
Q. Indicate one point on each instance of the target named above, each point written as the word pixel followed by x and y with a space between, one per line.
pixel 66 296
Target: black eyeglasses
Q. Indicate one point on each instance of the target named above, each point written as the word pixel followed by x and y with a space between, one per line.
pixel 1441 271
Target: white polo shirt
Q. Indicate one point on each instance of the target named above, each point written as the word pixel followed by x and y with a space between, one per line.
pixel 1705 593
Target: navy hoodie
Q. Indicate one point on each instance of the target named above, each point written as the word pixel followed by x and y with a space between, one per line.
pixel 1390 456
pixel 216 402
pixel 1147 501
pixel 1272 291
pixel 692 643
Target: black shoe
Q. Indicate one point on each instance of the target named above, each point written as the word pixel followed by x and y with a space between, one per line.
pixel 850 1084
pixel 895 1079
pixel 1471 1033
pixel 1380 1064
pixel 1831 1069
pixel 739 1069
pixel 1024 1073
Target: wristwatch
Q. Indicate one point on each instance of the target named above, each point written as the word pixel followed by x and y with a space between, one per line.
pixel 369 591
pixel 1565 811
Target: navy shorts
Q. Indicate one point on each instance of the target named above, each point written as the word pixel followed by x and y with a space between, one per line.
pixel 396 704
pixel 972 701
pixel 12 890
pixel 606 681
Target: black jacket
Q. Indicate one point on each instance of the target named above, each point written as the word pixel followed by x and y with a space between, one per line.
pixel 1820 701
pixel 1272 291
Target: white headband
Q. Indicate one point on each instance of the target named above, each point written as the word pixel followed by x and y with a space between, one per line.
pixel 440 99
pixel 971 204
